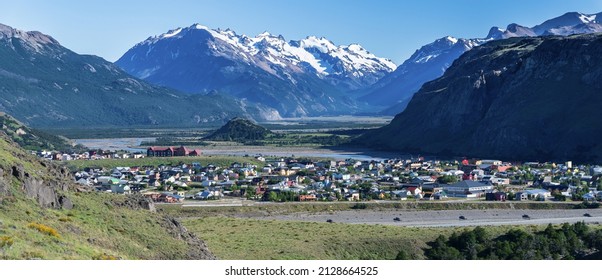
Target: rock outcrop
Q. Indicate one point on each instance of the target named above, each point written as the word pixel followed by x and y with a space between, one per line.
pixel 198 250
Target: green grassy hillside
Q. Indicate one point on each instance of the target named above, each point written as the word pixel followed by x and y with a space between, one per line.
pixel 43 217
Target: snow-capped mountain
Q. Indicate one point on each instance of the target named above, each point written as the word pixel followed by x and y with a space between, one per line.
pixel 568 24
pixel 351 66
pixel 431 61
pixel 298 78
pixel 427 63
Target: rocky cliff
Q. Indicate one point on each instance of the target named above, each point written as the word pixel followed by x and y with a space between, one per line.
pixel 519 98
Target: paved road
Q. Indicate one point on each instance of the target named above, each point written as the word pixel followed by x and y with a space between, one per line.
pixel 448 218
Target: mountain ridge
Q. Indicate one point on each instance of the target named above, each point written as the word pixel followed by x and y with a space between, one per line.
pixel 533 98
pixel 308 77
pixel 46 85
pixel 399 86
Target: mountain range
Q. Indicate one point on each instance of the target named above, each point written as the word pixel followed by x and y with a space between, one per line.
pixel 44 84
pixel 516 99
pixel 308 77
pixel 196 75
pixel 430 61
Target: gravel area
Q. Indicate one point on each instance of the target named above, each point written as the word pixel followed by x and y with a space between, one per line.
pixel 447 218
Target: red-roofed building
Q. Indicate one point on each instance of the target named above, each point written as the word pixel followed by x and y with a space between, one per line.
pixel 171 152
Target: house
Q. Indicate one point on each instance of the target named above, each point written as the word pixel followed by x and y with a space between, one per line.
pixel 538 194
pixel 307 197
pixel 414 190
pixel 467 189
pixel 430 189
pixel 120 189
pixel 499 181
pixel 521 196
pixel 353 197
pixel 589 197
pixel 208 194
pixel 401 194
pixel 170 198
pixel 495 196
pixel 440 195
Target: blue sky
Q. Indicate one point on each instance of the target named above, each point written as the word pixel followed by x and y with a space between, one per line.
pixel 392 29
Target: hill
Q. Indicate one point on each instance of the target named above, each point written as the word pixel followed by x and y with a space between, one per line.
pixel 44 216
pixel 519 98
pixel 239 130
pixel 34 139
pixel 44 84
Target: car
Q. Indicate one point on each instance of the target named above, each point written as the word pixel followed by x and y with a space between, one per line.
pixel 525 216
pixel 329 221
pixel 462 218
pixel 397 219
pixel 587 215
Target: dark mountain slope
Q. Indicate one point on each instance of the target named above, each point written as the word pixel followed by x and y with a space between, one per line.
pixel 532 99
pixel 430 61
pixel 43 84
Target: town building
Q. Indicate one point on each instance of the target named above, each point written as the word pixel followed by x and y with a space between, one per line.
pixel 171 152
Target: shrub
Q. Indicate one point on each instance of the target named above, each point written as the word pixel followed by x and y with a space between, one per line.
pixel 105 257
pixel 6 242
pixel 44 229
pixel 32 255
pixel 359 206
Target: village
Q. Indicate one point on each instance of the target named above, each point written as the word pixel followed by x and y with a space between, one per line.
pixel 297 179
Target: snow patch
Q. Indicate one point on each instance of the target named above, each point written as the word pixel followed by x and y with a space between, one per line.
pixel 90 68
pixel 172 33
pixel 452 39
pixel 587 18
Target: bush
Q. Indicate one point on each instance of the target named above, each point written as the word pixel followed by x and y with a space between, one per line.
pixel 587 205
pixel 359 206
pixel 105 257
pixel 6 242
pixel 44 229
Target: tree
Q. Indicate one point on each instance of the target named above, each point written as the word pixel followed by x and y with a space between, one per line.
pixel 447 179
pixel 441 251
pixel 250 192
pixel 402 255
pixel 273 196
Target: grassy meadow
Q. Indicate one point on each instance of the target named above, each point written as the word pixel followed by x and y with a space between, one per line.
pixel 250 239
